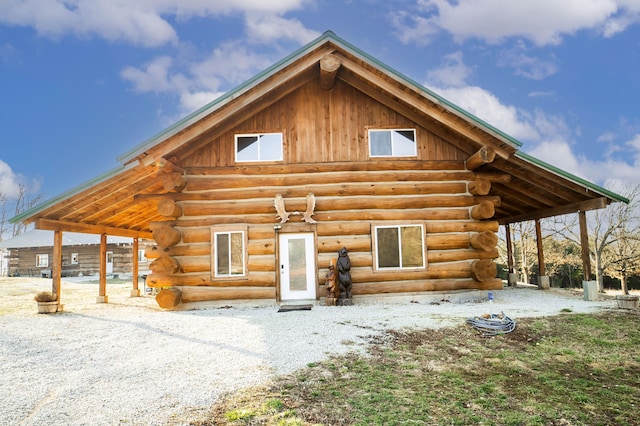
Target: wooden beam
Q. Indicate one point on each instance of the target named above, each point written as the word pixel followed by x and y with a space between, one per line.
pixel 541 268
pixel 329 66
pixel 57 225
pixel 102 288
pixel 509 248
pixel 596 203
pixel 56 266
pixel 584 245
pixel 134 271
pixel 484 155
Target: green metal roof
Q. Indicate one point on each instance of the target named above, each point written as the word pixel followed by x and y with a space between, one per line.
pixel 326 36
pixel 192 118
pixel 70 193
pixel 553 169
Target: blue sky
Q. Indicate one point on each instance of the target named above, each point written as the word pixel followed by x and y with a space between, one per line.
pixel 84 81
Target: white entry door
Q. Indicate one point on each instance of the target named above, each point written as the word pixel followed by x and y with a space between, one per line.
pixel 297 266
pixel 109 262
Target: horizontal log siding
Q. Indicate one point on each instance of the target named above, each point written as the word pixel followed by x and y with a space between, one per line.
pixel 415 191
pixel 326 153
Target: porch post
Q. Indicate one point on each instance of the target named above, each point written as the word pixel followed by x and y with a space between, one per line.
pixel 589 287
pixel 512 278
pixel 135 292
pixel 543 279
pixel 102 291
pixel 56 266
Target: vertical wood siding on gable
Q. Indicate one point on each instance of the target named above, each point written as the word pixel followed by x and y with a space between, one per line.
pixel 323 126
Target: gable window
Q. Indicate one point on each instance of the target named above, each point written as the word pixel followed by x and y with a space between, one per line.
pixel 229 252
pixel 259 147
pixel 392 143
pixel 42 260
pixel 399 247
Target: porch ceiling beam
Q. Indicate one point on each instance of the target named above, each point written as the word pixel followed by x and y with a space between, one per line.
pixel 594 204
pixel 57 225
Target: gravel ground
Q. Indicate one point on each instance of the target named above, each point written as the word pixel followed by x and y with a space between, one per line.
pixel 128 362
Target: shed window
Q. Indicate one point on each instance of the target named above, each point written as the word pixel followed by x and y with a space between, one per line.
pixel 392 143
pixel 259 147
pixel 42 260
pixel 399 247
pixel 229 255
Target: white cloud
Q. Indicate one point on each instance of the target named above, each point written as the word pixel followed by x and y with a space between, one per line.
pixel 199 82
pixel 10 182
pixel 113 20
pixel 486 106
pixel 544 22
pixel 140 22
pixel 453 72
pixel 526 65
pixel 266 28
pixel 548 137
pixel 153 77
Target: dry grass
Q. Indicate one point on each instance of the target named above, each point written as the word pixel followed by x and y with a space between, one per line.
pixel 576 369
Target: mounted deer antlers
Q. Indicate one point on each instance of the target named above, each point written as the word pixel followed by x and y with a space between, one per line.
pixel 306 216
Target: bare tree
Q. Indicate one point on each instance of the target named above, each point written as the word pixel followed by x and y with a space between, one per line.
pixel 607 227
pixel 24 202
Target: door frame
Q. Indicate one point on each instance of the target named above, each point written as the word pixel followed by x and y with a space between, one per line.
pixel 109 265
pixel 295 228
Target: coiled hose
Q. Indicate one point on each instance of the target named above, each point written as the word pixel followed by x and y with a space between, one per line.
pixel 492 325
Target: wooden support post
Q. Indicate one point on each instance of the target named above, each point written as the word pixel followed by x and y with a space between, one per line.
pixel 102 291
pixel 512 279
pixel 584 245
pixel 543 279
pixel 541 267
pixel 56 266
pixel 135 291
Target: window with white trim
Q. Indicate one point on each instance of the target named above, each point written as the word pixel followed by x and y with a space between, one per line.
pixel 399 247
pixel 42 260
pixel 229 252
pixel 258 147
pixel 74 258
pixel 392 143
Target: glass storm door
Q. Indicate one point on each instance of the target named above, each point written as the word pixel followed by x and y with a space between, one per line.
pixel 109 262
pixel 297 266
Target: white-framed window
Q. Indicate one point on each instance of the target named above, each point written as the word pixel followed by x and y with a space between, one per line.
pixel 392 143
pixel 74 258
pixel 258 147
pixel 399 246
pixel 141 257
pixel 229 251
pixel 42 260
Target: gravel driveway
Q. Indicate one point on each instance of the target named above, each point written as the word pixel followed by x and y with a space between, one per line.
pixel 128 362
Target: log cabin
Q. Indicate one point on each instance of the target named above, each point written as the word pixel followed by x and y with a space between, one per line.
pixel 251 196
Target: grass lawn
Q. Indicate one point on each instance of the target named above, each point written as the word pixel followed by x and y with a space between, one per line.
pixel 573 369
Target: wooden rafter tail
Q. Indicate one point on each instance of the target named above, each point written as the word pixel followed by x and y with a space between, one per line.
pixel 484 155
pixel 329 66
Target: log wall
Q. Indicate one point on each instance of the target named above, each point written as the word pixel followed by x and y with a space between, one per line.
pixel 326 154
